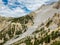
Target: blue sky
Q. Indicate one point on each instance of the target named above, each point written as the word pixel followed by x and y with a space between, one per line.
pixel 5 2
pixel 17 8
pixel 15 5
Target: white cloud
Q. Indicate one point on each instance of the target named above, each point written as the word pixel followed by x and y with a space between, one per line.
pixel 17 12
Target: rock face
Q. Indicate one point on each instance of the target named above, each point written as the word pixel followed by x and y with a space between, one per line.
pixel 45 33
pixel 57 5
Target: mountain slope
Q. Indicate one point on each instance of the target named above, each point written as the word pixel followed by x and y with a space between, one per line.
pixel 11 27
pixel 43 14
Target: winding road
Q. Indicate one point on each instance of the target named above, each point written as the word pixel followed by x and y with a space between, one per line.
pixel 41 16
